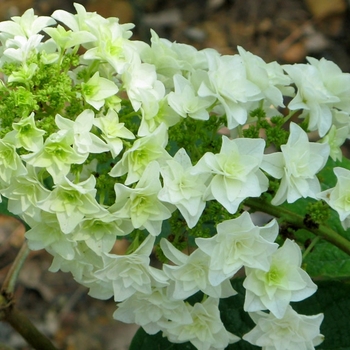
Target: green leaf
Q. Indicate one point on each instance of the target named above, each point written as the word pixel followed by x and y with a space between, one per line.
pixel 332 298
pixel 326 175
pixel 327 261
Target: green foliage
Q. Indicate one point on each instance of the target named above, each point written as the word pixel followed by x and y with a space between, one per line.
pixel 203 137
pixel 48 92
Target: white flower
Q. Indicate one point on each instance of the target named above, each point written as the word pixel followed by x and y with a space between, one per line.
pixel 20 48
pixel 267 76
pixel 141 84
pixel 72 202
pixel 297 166
pixel 78 21
pixel 112 44
pixel 143 151
pixel 284 282
pixel 206 332
pixel 113 131
pixel 56 155
pixel 27 134
pixel 186 102
pixel 66 38
pixel 82 267
pixel 97 89
pixel 162 55
pixel 338 197
pixel 140 204
pixel 229 84
pixel 321 87
pixel 191 274
pixel 152 311
pixel 24 193
pixel 156 113
pixel 85 142
pixel 26 25
pixel 128 274
pixel 182 188
pixel 335 138
pixel 100 232
pixel 238 243
pixel 46 234
pixel 235 171
pixel 292 332
pixel 11 164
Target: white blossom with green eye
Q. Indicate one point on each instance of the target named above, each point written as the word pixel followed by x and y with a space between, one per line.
pixel 156 113
pixel 141 84
pixel 112 44
pixel 27 135
pixel 291 332
pixel 153 312
pixel 72 202
pixel 11 164
pixel 206 332
pixel 238 243
pixel 268 77
pixel 141 204
pixel 182 188
pixel 228 83
pixel 20 48
pixel 85 142
pixel 66 38
pixel 285 281
pixel 24 193
pixel 235 172
pixel 128 274
pixel 190 274
pixel 322 86
pixel 99 232
pixel 80 20
pixel 97 89
pixel 296 166
pixel 26 25
pixel 143 151
pixel 113 131
pixel 56 155
pixel 185 101
pixel 46 234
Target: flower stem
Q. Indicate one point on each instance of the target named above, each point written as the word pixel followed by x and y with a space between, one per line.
pixel 11 277
pixel 23 326
pixel 310 247
pixel 9 313
pixel 298 221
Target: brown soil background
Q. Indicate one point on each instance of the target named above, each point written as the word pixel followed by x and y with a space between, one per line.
pixel 282 30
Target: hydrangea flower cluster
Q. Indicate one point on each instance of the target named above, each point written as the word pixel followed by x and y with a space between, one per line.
pixel 105 138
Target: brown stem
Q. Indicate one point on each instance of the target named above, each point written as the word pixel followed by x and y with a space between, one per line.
pixel 10 314
pixel 20 322
pixel 9 284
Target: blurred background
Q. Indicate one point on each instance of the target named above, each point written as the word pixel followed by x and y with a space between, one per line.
pixel 282 30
